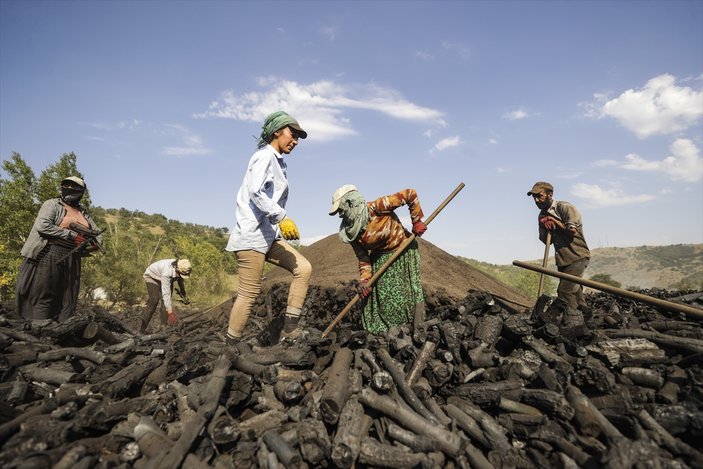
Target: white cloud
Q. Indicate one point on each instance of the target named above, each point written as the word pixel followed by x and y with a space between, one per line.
pixel 330 32
pixel 492 141
pixel 684 163
pixel 660 107
pixel 192 144
pixel 423 55
pixel 461 49
pixel 596 196
pixel 516 115
pixel 447 143
pixel 604 163
pixel 319 106
pixel 503 170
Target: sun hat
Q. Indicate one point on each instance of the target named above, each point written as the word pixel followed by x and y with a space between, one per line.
pixel 74 179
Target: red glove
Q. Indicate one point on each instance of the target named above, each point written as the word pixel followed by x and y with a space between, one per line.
pixel 419 228
pixel 79 239
pixel 172 318
pixel 363 290
pixel 548 222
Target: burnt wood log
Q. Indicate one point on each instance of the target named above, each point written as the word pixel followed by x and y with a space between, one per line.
pixel 433 407
pixel 48 375
pixel 417 443
pixel 264 373
pixel 518 407
pixel 122 381
pixel 284 452
pixel 495 434
pixel 7 429
pixel 488 329
pixel 420 362
pixel 588 417
pixel 547 355
pixel 403 389
pixel 673 444
pixel 253 428
pixel 73 352
pixel 152 441
pixel 95 331
pixel 682 343
pixel 338 386
pixel 377 454
pixel 209 400
pixel 643 376
pixel 449 442
pixel 483 394
pixel 347 441
pixel 313 441
pixel 287 356
pixel 468 424
pixel 627 351
pixel 553 403
pixel 288 392
pixel 381 380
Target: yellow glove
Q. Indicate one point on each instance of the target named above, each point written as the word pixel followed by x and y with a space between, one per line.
pixel 288 229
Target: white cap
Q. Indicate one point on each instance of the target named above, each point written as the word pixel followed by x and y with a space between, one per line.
pixel 74 179
pixel 183 267
pixel 338 194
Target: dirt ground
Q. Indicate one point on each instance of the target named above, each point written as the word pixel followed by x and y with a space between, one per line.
pixel 334 263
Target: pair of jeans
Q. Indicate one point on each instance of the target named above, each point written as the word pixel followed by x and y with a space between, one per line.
pixel 250 266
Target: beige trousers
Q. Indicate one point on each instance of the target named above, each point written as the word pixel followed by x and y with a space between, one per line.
pixel 251 266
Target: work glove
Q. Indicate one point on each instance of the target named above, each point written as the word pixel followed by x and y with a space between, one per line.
pixel 288 229
pixel 548 222
pixel 363 289
pixel 79 239
pixel 419 228
pixel 172 318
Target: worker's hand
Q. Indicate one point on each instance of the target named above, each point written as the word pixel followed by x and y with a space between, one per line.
pixel 288 229
pixel 172 318
pixel 79 239
pixel 363 289
pixel 419 228
pixel 548 222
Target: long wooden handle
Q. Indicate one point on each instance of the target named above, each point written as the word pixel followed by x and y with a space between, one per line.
pixel 399 250
pixel 547 242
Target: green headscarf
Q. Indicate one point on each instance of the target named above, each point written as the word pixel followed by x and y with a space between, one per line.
pixel 355 216
pixel 276 121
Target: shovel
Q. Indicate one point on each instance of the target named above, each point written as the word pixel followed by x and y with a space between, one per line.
pixel 399 250
pixel 547 242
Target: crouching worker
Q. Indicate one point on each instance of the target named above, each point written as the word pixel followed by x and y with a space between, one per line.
pixel 262 227
pixel 160 277
pixel 49 277
pixel 374 231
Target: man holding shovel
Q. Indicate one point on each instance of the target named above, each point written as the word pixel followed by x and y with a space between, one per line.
pixel 563 221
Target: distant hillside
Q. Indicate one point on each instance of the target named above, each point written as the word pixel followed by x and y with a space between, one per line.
pixel 678 266
pixel 674 267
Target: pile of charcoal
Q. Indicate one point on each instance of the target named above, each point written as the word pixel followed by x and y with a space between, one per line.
pixel 479 384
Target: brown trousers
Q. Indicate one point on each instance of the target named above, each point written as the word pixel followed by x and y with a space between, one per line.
pixel 251 266
pixel 570 292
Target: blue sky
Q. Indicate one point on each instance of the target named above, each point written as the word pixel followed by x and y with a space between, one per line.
pixel 161 101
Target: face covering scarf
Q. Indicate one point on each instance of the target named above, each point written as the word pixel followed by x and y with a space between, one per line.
pixel 355 216
pixel 274 122
pixel 71 196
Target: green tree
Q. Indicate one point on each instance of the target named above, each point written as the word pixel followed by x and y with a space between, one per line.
pixel 606 279
pixel 49 182
pixel 18 208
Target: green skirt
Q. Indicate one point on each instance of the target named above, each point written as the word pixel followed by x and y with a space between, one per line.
pixel 395 294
